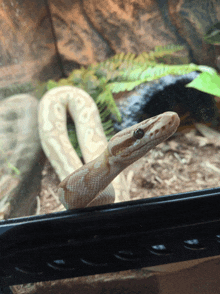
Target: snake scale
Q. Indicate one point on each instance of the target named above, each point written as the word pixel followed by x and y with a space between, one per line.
pixel 90 184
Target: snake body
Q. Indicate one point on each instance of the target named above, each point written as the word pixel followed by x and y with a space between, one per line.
pixel 90 184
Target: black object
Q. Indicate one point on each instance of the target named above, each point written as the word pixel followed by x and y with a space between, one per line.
pixel 110 238
pixel 166 94
pixel 5 290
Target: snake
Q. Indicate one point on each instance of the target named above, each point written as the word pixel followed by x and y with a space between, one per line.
pixel 100 180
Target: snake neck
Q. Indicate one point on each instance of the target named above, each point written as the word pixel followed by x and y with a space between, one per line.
pixel 103 170
pixel 88 182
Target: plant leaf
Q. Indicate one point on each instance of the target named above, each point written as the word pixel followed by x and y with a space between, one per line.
pixel 106 96
pixel 51 84
pixel 206 82
pixel 124 86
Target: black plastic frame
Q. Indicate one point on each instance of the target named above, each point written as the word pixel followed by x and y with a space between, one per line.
pixel 110 238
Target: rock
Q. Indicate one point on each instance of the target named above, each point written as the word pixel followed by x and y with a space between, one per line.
pixel 40 41
pixel 19 150
pixel 166 94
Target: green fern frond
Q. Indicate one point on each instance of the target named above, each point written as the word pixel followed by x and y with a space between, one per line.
pixel 134 73
pixel 73 139
pixel 167 49
pixel 126 66
pixel 106 95
pixel 152 71
pixel 121 72
pixel 159 51
pixel 121 57
pixel 162 70
pixel 112 66
pixel 51 84
pixel 117 87
pixel 108 129
pixel 138 76
pixel 76 77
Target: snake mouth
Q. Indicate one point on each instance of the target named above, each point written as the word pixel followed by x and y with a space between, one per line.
pixel 156 130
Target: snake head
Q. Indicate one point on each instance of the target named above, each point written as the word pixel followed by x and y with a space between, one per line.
pixel 132 143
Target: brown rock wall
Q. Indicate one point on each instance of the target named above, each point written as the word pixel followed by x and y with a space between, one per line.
pixel 192 19
pixel 26 40
pixel 40 41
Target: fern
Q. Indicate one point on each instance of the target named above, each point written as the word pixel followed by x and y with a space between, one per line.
pixel 123 72
pixel 124 86
pixel 161 51
pixel 140 75
pixel 106 95
pixel 118 73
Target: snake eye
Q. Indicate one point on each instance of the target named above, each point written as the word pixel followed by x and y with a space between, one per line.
pixel 138 134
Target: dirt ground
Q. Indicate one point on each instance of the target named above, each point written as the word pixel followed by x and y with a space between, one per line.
pixel 186 162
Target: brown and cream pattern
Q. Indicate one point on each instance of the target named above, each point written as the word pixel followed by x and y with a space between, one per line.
pixel 90 184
